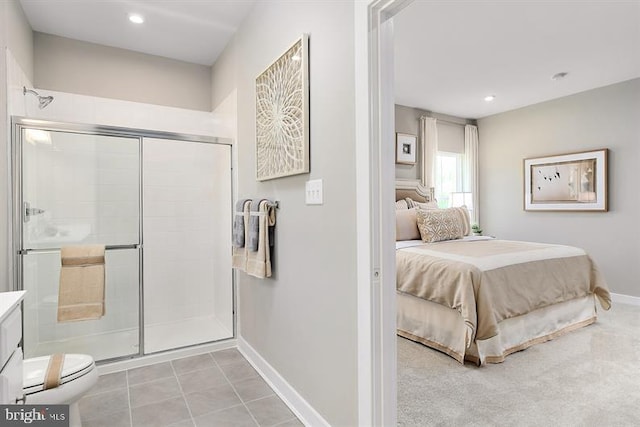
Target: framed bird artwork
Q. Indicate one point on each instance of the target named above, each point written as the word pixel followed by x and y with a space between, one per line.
pixel 566 182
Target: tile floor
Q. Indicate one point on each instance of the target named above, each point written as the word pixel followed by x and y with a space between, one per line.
pixel 207 390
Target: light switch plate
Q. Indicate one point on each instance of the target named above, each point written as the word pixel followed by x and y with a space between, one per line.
pixel 313 192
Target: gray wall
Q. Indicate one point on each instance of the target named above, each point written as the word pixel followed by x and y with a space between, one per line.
pixel 607 117
pixel 224 73
pixel 303 321
pixel 450 136
pixel 20 37
pixel 74 66
pixel 408 121
pixel 15 34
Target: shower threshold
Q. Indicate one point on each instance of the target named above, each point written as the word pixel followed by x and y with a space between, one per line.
pixel 102 346
pixel 163 336
pixel 158 337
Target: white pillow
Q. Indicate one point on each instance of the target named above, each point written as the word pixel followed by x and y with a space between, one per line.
pixel 428 205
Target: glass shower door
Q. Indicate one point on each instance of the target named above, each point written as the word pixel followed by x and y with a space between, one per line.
pixel 79 189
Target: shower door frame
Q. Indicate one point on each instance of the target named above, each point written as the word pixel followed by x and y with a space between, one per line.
pixel 16 240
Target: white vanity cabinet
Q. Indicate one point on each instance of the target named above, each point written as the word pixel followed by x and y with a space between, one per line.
pixel 10 352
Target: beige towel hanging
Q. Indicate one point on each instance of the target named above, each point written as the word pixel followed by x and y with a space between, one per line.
pixel 259 262
pixel 82 283
pixel 54 371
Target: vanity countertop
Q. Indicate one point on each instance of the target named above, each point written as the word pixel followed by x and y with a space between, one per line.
pixel 9 300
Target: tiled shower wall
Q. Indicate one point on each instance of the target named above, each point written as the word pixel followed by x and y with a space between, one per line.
pixel 187 218
pixel 88 186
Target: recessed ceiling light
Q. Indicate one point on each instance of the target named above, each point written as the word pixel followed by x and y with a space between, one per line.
pixel 136 19
pixel 559 76
pixel 489 98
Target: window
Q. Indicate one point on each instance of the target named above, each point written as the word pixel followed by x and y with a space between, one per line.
pixel 448 177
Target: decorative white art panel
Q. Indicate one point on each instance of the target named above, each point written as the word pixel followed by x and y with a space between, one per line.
pixel 282 115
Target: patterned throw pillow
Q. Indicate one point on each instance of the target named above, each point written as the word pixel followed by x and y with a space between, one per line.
pixel 436 225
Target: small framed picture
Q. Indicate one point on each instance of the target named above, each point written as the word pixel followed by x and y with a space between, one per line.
pixel 406 148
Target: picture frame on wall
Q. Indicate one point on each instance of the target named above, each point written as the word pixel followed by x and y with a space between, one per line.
pixel 282 114
pixel 567 182
pixel 406 145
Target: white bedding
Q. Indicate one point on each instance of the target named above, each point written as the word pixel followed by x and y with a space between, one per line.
pixel 411 243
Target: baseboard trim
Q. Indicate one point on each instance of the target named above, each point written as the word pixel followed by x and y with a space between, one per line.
pixel 625 299
pixel 298 405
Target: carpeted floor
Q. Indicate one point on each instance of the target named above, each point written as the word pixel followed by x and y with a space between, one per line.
pixel 589 377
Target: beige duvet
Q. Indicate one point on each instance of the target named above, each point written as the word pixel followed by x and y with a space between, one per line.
pixel 488 281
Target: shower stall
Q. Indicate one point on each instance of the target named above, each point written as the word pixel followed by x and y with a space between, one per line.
pixel 161 204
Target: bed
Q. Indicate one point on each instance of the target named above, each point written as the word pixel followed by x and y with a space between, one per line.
pixel 480 299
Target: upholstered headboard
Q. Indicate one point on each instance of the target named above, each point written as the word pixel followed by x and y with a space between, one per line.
pixel 415 191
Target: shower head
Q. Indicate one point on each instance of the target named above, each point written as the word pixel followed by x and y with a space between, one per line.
pixel 43 101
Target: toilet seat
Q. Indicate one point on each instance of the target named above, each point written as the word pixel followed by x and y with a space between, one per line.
pixel 73 367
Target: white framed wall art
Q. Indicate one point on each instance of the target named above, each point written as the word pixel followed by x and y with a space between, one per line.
pixel 282 114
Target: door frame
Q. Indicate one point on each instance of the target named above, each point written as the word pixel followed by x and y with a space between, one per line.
pixel 375 176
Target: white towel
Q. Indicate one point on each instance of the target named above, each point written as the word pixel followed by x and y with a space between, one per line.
pixel 259 262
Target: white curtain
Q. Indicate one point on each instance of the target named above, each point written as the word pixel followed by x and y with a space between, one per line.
pixel 429 135
pixel 471 168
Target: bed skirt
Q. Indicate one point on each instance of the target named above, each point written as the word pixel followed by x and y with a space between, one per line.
pixel 443 328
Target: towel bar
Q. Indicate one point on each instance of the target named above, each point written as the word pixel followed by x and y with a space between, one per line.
pixel 54 250
pixel 275 204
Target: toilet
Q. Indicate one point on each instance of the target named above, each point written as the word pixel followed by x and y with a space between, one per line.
pixel 79 375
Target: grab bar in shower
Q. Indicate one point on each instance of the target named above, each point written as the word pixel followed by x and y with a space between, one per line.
pixel 55 250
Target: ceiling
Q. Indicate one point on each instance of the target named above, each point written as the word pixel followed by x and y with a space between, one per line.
pixel 450 55
pixel 188 30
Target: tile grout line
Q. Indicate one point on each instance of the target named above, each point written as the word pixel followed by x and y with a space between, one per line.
pixel 129 398
pixel 273 393
pixel 286 421
pixel 263 397
pixel 184 397
pixel 100 393
pixel 96 393
pixel 234 390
